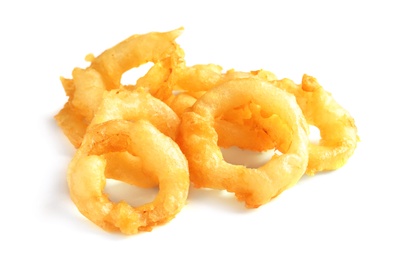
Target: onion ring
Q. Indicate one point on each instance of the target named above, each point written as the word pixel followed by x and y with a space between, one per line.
pixel 87 86
pixel 133 52
pixel 86 178
pixel 338 132
pixel 133 105
pixel 229 133
pixel 79 110
pixel 133 132
pixel 233 127
pixel 198 140
pixel 339 136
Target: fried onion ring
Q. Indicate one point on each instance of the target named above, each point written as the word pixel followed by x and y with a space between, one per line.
pixel 337 128
pixel 86 178
pixel 133 105
pixel 198 140
pixel 169 129
pixel 133 52
pixel 87 86
pixel 229 133
pixel 339 137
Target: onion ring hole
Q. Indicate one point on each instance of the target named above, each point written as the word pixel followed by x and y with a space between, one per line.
pixel 131 76
pixel 314 135
pixel 135 196
pixel 250 159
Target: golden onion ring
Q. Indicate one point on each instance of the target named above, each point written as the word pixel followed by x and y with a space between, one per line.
pixel 339 137
pixel 160 155
pixel 198 140
pixel 87 86
pixel 133 105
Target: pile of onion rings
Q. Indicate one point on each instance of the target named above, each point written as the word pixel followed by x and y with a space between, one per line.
pixel 169 128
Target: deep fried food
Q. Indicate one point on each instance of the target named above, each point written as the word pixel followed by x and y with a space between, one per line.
pixel 198 141
pixel 339 137
pixel 160 156
pixel 229 133
pixel 133 52
pixel 168 129
pixel 133 105
pixel 87 86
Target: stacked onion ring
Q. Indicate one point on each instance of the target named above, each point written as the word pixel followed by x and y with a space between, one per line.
pixel 168 129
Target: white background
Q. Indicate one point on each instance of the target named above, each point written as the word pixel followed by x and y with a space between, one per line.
pixel 347 45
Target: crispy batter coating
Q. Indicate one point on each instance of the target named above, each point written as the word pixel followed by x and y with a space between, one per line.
pixel 168 130
pixel 160 156
pixel 133 105
pixel 87 86
pixel 198 140
pixel 339 137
